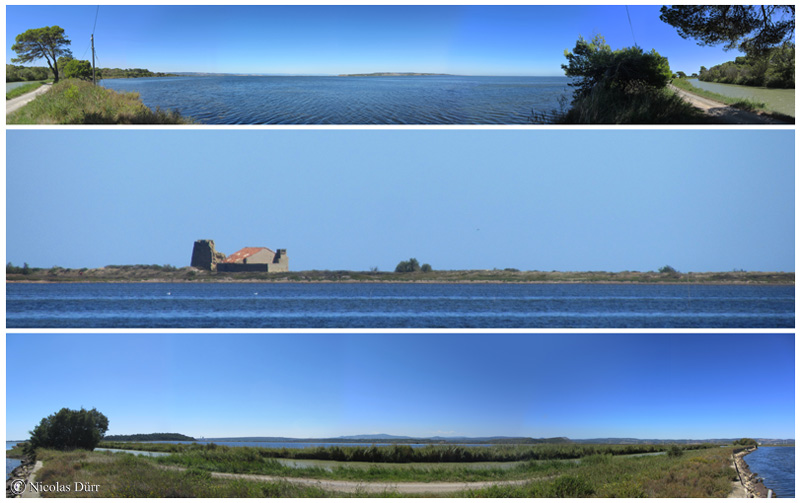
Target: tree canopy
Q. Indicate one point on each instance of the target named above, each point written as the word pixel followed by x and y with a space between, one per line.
pixel 593 62
pixel 37 43
pixel 78 69
pixel 69 429
pixel 751 28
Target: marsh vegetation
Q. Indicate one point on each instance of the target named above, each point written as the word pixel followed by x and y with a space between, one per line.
pixel 198 472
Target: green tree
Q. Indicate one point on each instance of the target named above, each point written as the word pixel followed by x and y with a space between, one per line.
pixel 750 28
pixel 48 43
pixel 594 63
pixel 78 69
pixel 745 441
pixel 410 265
pixel 62 62
pixel 426 268
pixel 69 429
pixel 680 75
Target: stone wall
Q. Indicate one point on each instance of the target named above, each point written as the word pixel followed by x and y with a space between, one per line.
pixel 205 256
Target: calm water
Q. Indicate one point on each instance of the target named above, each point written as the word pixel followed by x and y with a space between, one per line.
pixel 11 463
pixel 780 100
pixel 269 305
pixel 350 100
pixel 776 466
pixel 13 85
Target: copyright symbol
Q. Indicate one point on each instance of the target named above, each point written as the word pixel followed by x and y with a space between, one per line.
pixel 17 486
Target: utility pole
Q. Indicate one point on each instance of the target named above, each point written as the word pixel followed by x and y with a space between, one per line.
pixel 94 81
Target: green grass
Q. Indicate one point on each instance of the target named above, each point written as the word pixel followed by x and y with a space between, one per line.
pixel 703 473
pixel 742 104
pixel 19 91
pixel 644 105
pixel 120 475
pixel 399 453
pixel 79 102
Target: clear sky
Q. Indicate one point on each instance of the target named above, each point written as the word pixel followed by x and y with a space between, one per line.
pixel 324 385
pixel 462 40
pixel 567 200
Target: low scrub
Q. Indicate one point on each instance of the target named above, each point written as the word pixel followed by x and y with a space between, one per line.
pixel 78 102
pixel 642 105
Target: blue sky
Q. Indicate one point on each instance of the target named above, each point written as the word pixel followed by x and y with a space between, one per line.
pixel 462 40
pixel 570 200
pixel 320 385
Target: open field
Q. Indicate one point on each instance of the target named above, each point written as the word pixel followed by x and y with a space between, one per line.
pixel 705 472
pixel 169 274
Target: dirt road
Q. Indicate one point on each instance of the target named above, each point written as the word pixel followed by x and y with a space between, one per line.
pixel 723 113
pixel 346 486
pixel 15 104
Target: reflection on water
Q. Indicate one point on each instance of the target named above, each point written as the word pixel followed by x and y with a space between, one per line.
pixel 780 100
pixel 350 100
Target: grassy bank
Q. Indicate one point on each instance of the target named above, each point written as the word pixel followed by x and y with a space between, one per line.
pixel 644 105
pixel 128 476
pixel 742 104
pixel 169 274
pixel 79 102
pixel 704 473
pixel 27 88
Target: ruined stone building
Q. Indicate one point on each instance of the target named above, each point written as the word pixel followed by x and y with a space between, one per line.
pixel 250 259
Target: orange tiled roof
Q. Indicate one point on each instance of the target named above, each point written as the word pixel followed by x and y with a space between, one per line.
pixel 244 253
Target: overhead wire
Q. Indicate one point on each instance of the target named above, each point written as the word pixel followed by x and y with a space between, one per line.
pixel 631 25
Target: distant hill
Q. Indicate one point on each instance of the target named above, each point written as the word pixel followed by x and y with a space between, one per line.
pixel 147 437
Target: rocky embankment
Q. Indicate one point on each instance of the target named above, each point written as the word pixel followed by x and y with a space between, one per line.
pixel 22 472
pixel 752 483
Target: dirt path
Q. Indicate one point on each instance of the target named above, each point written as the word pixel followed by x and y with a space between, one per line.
pixel 721 112
pixel 15 104
pixel 29 491
pixel 347 486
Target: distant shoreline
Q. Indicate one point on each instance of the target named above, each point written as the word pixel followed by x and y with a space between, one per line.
pixel 395 74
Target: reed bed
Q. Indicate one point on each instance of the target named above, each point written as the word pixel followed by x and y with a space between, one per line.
pixel 401 453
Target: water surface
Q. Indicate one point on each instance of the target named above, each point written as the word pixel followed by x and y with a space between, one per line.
pixel 11 463
pixel 780 100
pixel 350 100
pixel 363 305
pixel 776 466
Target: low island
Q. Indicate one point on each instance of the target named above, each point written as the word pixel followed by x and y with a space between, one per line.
pixel 171 274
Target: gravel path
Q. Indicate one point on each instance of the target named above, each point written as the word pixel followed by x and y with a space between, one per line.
pixel 15 104
pixel 721 112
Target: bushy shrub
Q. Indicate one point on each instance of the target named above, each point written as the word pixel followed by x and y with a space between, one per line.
pixel 410 265
pixel 70 429
pixel 593 63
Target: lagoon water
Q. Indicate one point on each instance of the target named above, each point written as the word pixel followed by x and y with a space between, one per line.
pixel 776 466
pixel 364 305
pixel 10 462
pixel 780 100
pixel 350 100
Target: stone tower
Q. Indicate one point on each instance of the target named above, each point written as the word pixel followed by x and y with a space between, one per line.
pixel 204 256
